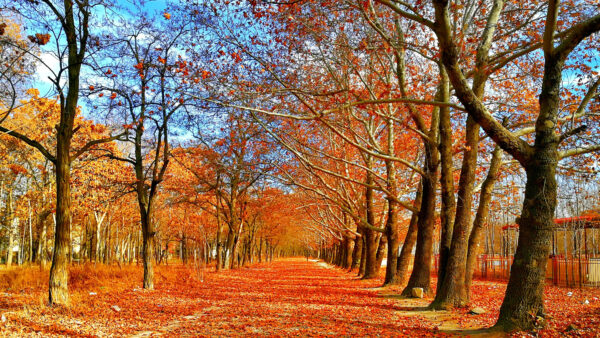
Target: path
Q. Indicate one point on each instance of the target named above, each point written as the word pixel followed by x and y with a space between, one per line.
pixel 296 297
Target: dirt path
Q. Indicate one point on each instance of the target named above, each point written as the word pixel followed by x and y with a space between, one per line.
pixel 296 297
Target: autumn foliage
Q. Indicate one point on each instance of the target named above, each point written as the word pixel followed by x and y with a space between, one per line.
pixel 231 167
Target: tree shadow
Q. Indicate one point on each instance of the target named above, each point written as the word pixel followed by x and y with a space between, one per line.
pixel 481 332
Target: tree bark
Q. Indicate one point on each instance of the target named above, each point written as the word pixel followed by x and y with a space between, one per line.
pixel 348 241
pixel 148 234
pixel 393 243
pixel 363 255
pixel 523 304
pixel 421 273
pixel 371 268
pixel 58 289
pixel 10 224
pixel 409 240
pixel 452 291
pixel 485 197
pixel 357 252
pixel 447 177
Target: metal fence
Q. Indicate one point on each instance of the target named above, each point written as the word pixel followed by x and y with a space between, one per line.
pixel 561 271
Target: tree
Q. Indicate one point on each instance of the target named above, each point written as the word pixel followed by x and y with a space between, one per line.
pixel 146 87
pixel 523 306
pixel 69 24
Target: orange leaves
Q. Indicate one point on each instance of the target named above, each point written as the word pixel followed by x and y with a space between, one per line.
pixel 91 87
pixel 38 38
pixel 113 96
pixel 17 169
pixel 167 15
pixel 236 57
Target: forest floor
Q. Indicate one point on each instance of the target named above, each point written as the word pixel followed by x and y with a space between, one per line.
pixel 287 297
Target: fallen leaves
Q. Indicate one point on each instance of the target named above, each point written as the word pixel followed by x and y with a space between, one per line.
pixel 287 297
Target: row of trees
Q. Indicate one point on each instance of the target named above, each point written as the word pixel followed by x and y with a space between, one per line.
pixel 90 181
pixel 354 125
pixel 384 103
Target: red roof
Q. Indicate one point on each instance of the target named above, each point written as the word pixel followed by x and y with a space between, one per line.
pixel 586 221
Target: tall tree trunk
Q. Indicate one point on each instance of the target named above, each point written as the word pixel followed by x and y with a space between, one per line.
pixel 148 234
pixel 421 273
pixel 260 249
pixel 99 219
pixel 357 251
pixel 348 241
pixel 219 245
pixel 409 240
pixel 452 292
pixel 58 289
pixel 485 197
pixel 11 227
pixel 363 255
pixel 41 249
pixel 371 268
pixel 30 249
pixel 76 38
pixel 447 177
pixel 523 303
pixel 393 243
pixel 381 248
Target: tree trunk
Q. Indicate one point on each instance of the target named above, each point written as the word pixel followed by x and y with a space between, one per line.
pixel 219 247
pixel 235 245
pixel 363 255
pixel 421 273
pixel 393 243
pixel 348 241
pixel 371 268
pixel 523 303
pixel 41 249
pixel 485 197
pixel 448 210
pixel 409 240
pixel 260 249
pixel 97 235
pixel 452 292
pixel 148 234
pixel 58 289
pixel 11 227
pixel 381 248
pixel 356 253
pixel 13 224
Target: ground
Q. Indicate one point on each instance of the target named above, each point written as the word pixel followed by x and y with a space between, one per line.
pixel 286 297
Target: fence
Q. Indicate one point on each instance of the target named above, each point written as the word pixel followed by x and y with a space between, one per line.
pixel 561 271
